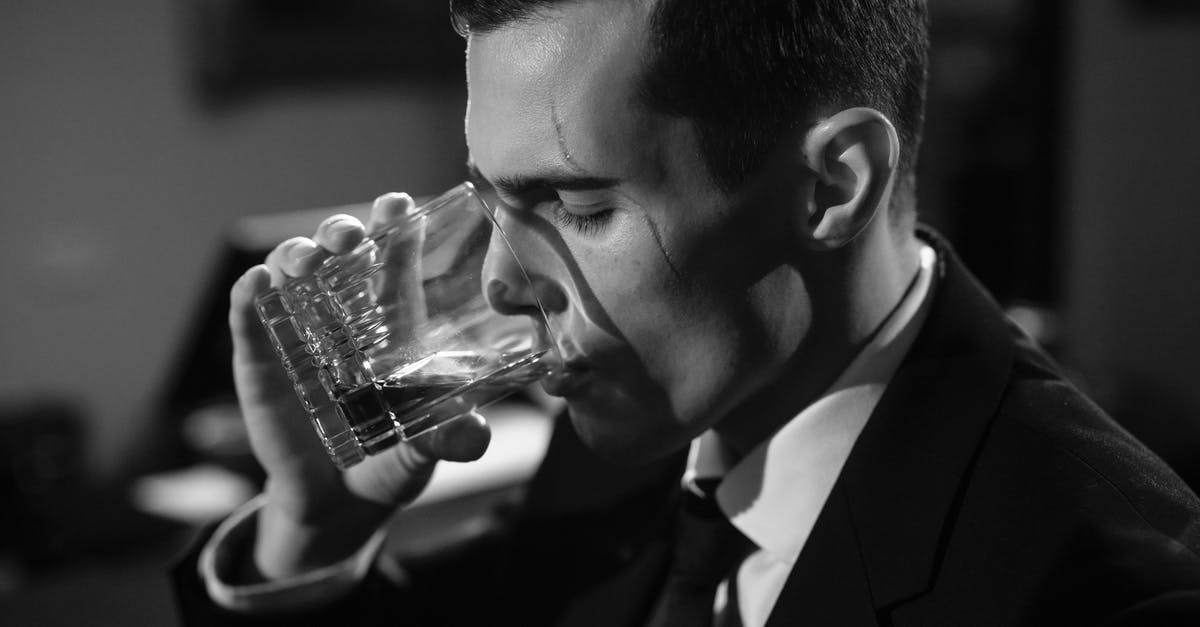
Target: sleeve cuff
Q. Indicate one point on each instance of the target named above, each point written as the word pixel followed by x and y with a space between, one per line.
pixel 232 542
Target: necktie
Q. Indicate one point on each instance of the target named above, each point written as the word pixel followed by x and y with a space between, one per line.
pixel 707 547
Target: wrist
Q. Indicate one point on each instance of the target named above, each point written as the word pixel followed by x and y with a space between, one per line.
pixel 232 582
pixel 291 541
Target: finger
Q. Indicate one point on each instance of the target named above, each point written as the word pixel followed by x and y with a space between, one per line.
pixel 250 340
pixel 281 442
pixel 339 233
pixel 387 209
pixel 296 257
pixel 400 278
pixel 277 258
pixel 462 439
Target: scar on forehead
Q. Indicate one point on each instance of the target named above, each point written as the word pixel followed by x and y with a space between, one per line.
pixel 562 140
pixel 566 155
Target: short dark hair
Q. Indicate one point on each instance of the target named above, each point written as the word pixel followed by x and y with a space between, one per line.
pixel 748 71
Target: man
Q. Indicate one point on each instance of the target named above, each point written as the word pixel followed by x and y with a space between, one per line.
pixel 715 202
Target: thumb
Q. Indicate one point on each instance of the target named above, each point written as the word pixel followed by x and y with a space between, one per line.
pixel 462 439
pixel 399 474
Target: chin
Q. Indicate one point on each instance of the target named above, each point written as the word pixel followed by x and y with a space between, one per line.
pixel 622 438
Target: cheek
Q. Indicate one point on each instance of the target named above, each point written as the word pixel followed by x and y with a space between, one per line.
pixel 685 333
pixel 633 280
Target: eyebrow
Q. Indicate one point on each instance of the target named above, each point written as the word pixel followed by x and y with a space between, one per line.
pixel 522 185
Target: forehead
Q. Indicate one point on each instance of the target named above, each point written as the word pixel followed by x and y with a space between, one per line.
pixel 558 88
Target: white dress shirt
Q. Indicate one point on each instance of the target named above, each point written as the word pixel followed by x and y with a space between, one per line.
pixel 773 495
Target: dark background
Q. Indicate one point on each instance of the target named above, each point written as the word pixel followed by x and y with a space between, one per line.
pixel 1060 158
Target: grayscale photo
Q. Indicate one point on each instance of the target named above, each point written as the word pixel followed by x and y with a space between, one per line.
pixel 600 313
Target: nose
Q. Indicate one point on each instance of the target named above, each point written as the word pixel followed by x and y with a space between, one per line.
pixel 512 283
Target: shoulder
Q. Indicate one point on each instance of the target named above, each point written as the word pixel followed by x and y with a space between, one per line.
pixel 1073 492
pixel 1095 459
pixel 1062 508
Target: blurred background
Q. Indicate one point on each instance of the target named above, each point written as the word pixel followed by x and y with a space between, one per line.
pixel 150 151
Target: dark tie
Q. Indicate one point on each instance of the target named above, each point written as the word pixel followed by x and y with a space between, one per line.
pixel 707 548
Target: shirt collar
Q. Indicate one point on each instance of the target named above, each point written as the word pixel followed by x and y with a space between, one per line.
pixel 775 493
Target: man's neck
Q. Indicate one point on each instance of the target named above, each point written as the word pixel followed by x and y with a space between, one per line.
pixel 852 292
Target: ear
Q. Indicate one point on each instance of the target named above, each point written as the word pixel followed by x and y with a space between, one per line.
pixel 854 155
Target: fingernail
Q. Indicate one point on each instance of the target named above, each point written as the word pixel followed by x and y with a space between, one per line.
pixel 300 251
pixel 339 226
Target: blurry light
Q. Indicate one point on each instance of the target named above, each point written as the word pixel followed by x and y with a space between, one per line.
pixel 1038 322
pixel 194 495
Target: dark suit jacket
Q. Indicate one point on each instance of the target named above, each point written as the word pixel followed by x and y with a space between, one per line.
pixel 984 490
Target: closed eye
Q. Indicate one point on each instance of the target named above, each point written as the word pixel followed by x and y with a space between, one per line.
pixel 587 220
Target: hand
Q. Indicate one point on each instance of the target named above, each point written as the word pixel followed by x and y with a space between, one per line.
pixel 316 514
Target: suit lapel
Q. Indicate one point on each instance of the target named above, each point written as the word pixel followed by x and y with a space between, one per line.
pixel 900 486
pixel 827 586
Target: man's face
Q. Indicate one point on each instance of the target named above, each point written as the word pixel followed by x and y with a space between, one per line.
pixel 672 302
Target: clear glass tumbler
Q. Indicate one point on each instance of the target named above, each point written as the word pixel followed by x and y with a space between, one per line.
pixel 394 338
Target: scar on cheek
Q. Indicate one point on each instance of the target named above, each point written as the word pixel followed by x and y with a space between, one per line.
pixel 662 249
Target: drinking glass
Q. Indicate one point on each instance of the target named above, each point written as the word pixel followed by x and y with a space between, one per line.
pixel 396 337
